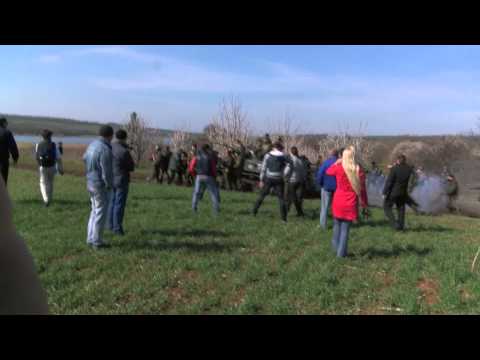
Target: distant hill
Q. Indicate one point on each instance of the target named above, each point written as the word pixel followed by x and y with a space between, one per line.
pixel 33 125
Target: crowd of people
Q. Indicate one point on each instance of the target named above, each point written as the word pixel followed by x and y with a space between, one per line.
pixel 340 179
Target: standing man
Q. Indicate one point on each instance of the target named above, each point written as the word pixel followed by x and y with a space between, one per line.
pixel 8 147
pixel 395 192
pixel 164 161
pixel 328 185
pixel 156 158
pixel 229 166
pixel 296 173
pixel 272 177
pixel 49 160
pixel 123 165
pixel 204 168
pixel 99 171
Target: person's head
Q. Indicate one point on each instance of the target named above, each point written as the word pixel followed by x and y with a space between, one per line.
pixel 351 168
pixel 374 164
pixel 340 152
pixel 106 132
pixel 278 145
pixel 333 152
pixel 267 136
pixel 205 148
pixel 46 134
pixel 401 159
pixel 121 135
pixel 3 123
pixel 294 151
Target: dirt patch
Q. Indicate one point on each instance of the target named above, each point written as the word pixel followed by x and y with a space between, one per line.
pixel 429 289
pixel 238 297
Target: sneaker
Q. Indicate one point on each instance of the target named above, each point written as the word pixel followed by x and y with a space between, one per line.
pixel 100 246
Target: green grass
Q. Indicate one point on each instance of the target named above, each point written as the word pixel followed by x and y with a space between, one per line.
pixel 172 262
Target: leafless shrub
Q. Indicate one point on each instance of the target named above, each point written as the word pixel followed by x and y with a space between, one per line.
pixel 228 126
pixel 181 138
pixel 345 137
pixel 140 138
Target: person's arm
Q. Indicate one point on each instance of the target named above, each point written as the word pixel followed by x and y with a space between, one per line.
pixel 263 171
pixel 321 174
pixel 21 291
pixel 129 163
pixel 389 183
pixel 107 168
pixel 192 165
pixel 214 168
pixel 58 158
pixel 363 189
pixel 332 170
pixel 12 147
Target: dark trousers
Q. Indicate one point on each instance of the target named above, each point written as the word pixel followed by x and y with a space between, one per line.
pixel 295 193
pixel 117 208
pixel 163 172
pixel 399 203
pixel 156 172
pixel 231 180
pixel 4 165
pixel 278 187
pixel 175 174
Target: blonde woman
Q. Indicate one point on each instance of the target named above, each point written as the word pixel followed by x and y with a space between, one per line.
pixel 350 189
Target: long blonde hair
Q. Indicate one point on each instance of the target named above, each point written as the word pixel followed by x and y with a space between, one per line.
pixel 351 168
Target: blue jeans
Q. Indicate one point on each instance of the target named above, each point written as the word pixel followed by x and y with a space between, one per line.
pixel 117 209
pixel 100 199
pixel 341 229
pixel 209 183
pixel 325 202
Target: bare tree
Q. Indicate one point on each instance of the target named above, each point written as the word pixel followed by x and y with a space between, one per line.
pixel 228 126
pixel 139 137
pixel 289 131
pixel 345 137
pixel 181 138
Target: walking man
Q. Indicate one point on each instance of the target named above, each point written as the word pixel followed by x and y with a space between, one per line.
pixel 296 173
pixel 328 185
pixel 8 147
pixel 272 177
pixel 123 165
pixel 99 170
pixel 395 192
pixel 49 160
pixel 204 168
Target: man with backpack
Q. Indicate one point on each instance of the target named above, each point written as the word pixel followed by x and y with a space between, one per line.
pixel 272 177
pixel 204 168
pixel 8 147
pixel 49 161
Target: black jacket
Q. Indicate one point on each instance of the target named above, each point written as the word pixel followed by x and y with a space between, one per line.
pixel 397 182
pixel 123 164
pixel 7 145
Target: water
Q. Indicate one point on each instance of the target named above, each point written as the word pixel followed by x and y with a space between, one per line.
pixel 76 140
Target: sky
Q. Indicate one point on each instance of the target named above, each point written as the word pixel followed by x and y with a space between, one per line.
pixel 385 90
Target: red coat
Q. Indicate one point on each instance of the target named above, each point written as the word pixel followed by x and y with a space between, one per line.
pixel 345 200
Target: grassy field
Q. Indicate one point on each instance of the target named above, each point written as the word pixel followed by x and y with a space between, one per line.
pixel 174 262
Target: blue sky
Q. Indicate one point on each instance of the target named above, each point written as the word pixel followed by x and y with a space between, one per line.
pixel 393 89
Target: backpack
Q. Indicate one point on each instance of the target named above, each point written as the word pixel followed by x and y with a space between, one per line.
pixel 46 154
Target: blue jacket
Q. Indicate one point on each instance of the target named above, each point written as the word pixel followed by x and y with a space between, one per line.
pixel 99 164
pixel 327 182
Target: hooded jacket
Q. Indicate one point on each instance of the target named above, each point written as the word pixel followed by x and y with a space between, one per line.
pixel 296 171
pixel 273 166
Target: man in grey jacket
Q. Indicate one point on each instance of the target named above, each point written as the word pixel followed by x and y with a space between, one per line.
pixel 296 174
pixel 99 173
pixel 123 165
pixel 272 177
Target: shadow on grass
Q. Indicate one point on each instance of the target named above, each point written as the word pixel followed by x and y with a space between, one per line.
pixel 157 198
pixel 161 245
pixel 58 202
pixel 436 228
pixel 395 252
pixel 198 233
